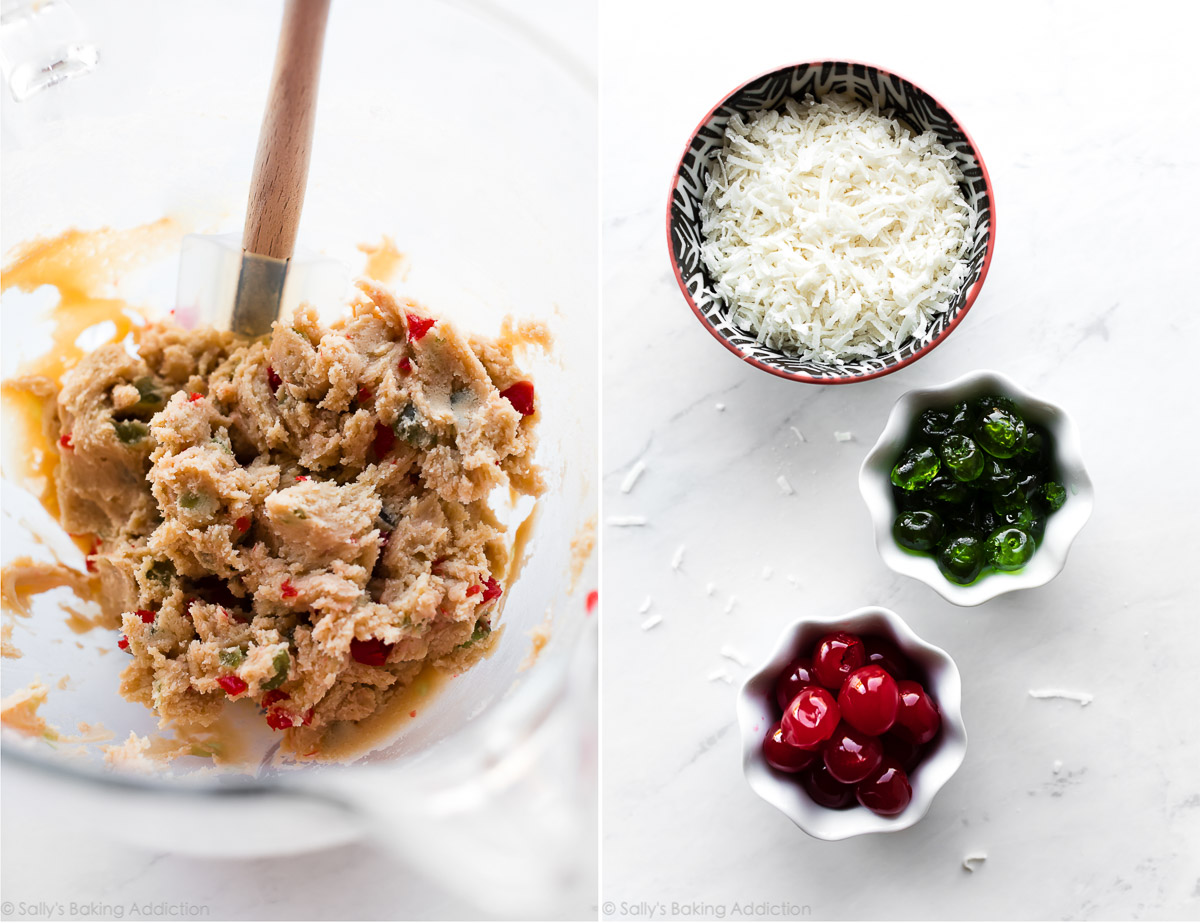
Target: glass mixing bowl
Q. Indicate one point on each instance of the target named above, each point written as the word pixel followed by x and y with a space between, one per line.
pixel 469 138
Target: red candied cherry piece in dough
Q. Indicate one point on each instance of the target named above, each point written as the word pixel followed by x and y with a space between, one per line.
pixel 917 717
pixel 372 652
pixel 869 700
pixel 836 656
pixel 797 676
pixel 418 326
pixel 883 653
pixel 887 790
pixel 783 756
pixel 824 789
pixel 811 718
pixel 851 755
pixel 520 395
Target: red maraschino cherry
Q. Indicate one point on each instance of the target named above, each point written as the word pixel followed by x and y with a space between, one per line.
pixel 782 755
pixel 836 656
pixel 810 719
pixel 917 718
pixel 869 700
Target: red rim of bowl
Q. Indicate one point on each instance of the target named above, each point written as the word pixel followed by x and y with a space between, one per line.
pixel 972 292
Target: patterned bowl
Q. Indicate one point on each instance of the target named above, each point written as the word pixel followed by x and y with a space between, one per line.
pixel 874 482
pixel 757 711
pixel 872 86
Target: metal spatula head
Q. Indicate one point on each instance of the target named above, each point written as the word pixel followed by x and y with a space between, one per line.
pixel 223 286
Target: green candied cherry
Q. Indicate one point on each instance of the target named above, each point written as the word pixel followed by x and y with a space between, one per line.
pixel 997 477
pixel 916 468
pixel 150 399
pixel 1053 495
pixel 410 427
pixel 919 530
pixel 1010 548
pixel 946 490
pixel 984 518
pixel 962 457
pixel 131 431
pixel 280 662
pixel 1029 484
pixel 161 571
pixel 934 425
pixel 962 420
pixel 907 500
pixel 1011 502
pixel 1000 433
pixel 231 657
pixel 962 558
pixel 1034 449
pixel 1022 518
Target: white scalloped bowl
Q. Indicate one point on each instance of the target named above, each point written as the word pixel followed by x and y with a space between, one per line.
pixel 757 711
pixel 874 482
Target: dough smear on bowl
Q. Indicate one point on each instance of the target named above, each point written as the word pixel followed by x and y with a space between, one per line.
pixel 301 520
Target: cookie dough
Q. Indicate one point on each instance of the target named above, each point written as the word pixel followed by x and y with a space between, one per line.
pixel 302 520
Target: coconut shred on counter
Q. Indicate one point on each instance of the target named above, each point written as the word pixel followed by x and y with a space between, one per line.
pixel 832 231
pixel 301 521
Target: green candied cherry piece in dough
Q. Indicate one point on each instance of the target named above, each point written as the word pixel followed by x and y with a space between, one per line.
pixel 934 425
pixel 281 662
pixel 919 530
pixel 131 431
pixel 1053 495
pixel 161 571
pixel 916 468
pixel 191 501
pixel 1000 433
pixel 231 657
pixel 962 457
pixel 961 558
pixel 409 427
pixel 1010 548
pixel 151 398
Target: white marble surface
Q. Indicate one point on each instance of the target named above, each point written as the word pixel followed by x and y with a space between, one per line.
pixel 1086 115
pixel 56 863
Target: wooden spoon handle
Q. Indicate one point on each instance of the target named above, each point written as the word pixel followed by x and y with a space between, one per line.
pixel 285 140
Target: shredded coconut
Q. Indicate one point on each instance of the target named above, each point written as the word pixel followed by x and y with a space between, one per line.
pixel 645 606
pixel 972 861
pixel 799 435
pixel 1083 698
pixel 709 589
pixel 626 520
pixel 732 653
pixel 631 478
pixel 784 485
pixel 841 436
pixel 732 601
pixel 720 673
pixel 677 560
pixel 720 406
pixel 767 572
pixel 651 622
pixel 832 231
